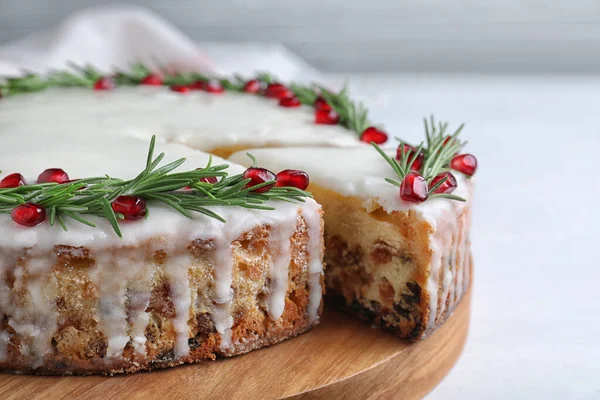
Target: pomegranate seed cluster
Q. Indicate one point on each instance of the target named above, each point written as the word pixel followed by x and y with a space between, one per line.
pixel 133 208
pixel 286 178
pixel 414 187
pixel 325 114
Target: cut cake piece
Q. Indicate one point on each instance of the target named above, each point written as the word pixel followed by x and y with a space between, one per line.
pixel 401 266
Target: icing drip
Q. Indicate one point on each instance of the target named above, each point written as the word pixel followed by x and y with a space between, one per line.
pixel 449 258
pixel 200 120
pixel 8 259
pixel 176 269
pixel 279 247
pixel 35 316
pixel 139 292
pixel 312 216
pixel 110 309
pixel 223 268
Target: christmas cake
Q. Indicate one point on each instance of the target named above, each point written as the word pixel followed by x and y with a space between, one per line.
pixel 107 269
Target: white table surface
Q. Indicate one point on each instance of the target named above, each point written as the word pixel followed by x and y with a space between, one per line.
pixel 535 329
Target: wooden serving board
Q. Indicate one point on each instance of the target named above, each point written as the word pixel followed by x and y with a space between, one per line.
pixel 340 358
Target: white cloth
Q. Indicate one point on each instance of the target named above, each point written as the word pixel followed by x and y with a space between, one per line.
pixel 118 36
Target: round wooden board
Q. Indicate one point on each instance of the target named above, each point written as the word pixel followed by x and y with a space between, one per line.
pixel 340 358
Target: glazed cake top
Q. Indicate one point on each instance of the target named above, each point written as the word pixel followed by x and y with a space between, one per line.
pixel 198 119
pixel 357 172
pixel 89 133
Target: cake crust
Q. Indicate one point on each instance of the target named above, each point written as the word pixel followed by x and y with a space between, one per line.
pixel 79 342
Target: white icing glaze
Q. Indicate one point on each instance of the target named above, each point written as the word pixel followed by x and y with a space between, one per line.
pixel 312 216
pixel 33 290
pixel 198 119
pixel 110 309
pixel 93 134
pixel 177 268
pixel 279 248
pixel 359 172
pixel 222 318
pixel 140 288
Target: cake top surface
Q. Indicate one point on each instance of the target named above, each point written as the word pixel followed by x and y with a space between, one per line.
pixel 124 158
pixel 198 119
pixel 88 134
pixel 358 172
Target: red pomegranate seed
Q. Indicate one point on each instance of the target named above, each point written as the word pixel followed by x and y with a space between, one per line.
pixel 290 102
pixel 28 214
pixel 372 134
pixel 212 86
pixel 53 175
pixel 293 177
pixel 104 83
pixel 258 176
pixel 321 104
pixel 132 207
pixel 198 85
pixel 252 86
pixel 278 91
pixel 326 117
pixel 152 80
pixel 449 184
pixel 410 152
pixel 207 179
pixel 180 88
pixel 12 181
pixel 447 140
pixel 465 163
pixel 413 188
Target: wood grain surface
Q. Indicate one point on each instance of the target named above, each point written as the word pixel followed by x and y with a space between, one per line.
pixel 340 358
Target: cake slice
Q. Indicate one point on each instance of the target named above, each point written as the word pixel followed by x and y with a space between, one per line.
pixel 397 264
pixel 171 290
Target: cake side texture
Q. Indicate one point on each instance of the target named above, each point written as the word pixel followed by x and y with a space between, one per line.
pixel 396 271
pixel 159 304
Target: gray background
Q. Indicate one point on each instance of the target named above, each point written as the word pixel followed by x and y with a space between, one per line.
pixel 530 36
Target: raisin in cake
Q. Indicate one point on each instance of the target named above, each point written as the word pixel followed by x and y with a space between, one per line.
pixel 399 265
pixel 171 290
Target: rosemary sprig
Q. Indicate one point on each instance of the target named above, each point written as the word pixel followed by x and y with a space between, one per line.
pixel 353 116
pixel 438 153
pixel 93 196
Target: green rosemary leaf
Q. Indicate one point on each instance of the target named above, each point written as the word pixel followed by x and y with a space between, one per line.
pixel 79 218
pixel 150 153
pixel 393 163
pixel 265 77
pixel 211 214
pixel 447 196
pixel 52 215
pixel 437 185
pixel 9 199
pixel 110 216
pixel 173 204
pixel 169 167
pixel 61 221
pixel 393 182
pixel 437 154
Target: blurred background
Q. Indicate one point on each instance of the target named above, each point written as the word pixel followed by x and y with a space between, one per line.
pixel 507 36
